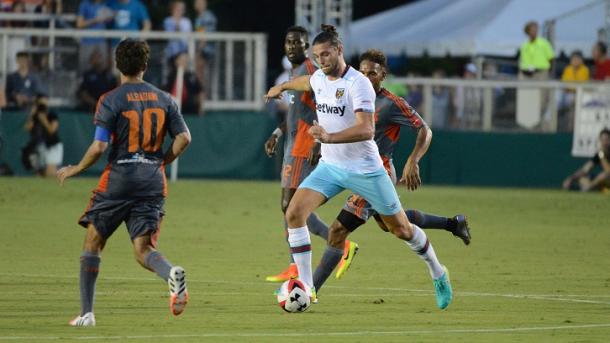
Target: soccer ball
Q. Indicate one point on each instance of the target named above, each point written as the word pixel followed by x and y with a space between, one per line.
pixel 293 297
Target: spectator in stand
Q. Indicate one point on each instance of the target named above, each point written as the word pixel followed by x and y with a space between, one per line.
pixel 16 43
pixel 96 81
pixel 43 126
pixel 23 85
pixel 576 71
pixel 5 5
pixel 468 101
pixel 192 91
pixel 19 7
pixel 584 179
pixel 92 15
pixel 129 15
pixel 602 63
pixel 415 94
pixel 40 64
pixel 48 7
pixel 535 56
pixel 204 22
pixel 177 22
pixel 441 102
pixel 535 59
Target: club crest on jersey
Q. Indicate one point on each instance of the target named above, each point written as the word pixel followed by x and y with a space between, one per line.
pixel 339 93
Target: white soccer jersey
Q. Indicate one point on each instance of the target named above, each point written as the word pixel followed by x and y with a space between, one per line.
pixel 336 104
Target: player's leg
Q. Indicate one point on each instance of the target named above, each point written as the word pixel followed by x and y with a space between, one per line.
pixel 300 170
pixel 144 224
pixel 149 258
pixel 354 214
pixel 334 254
pixel 458 225
pixel 295 170
pixel 349 248
pixel 101 218
pixel 379 190
pixel 380 223
pixel 291 271
pixel 89 268
pixel 304 202
pixel 289 185
pixel 322 184
pixel 153 260
pixel 416 239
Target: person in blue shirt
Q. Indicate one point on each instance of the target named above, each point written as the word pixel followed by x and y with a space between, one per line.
pixel 177 22
pixel 130 15
pixel 92 15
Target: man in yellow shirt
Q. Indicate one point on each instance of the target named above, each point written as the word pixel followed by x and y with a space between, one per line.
pixel 535 59
pixel 535 56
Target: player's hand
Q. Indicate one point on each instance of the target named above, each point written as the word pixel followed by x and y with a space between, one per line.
pixel 314 154
pixel 318 133
pixel 274 92
pixel 270 145
pixel 65 173
pixel 410 175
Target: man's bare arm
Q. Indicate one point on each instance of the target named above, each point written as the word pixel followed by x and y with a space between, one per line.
pixel 95 151
pixel 363 130
pixel 181 141
pixel 410 173
pixel 300 83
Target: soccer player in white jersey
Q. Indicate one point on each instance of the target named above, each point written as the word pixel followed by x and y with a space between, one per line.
pixel 345 103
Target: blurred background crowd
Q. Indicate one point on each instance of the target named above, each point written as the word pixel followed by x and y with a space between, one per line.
pixel 460 63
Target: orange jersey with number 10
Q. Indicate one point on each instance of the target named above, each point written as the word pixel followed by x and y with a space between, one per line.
pixel 139 116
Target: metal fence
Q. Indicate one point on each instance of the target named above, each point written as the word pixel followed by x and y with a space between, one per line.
pixel 237 73
pixel 497 105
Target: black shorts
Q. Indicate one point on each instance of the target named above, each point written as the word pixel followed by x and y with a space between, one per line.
pixel 141 215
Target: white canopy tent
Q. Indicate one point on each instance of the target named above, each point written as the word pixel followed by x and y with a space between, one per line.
pixel 476 27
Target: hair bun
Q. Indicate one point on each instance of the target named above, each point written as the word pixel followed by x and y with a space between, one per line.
pixel 329 29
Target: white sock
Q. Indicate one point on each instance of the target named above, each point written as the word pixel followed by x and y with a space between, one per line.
pixel 422 247
pixel 300 246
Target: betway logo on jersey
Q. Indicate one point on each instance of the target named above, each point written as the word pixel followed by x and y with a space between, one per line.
pixel 325 108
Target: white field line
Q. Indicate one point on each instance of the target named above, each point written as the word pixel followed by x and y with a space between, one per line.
pixel 313 334
pixel 332 295
pixel 207 294
pixel 551 297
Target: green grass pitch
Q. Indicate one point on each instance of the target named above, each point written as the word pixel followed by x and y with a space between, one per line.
pixel 536 271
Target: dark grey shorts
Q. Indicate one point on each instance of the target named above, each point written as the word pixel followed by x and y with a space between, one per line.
pixel 141 215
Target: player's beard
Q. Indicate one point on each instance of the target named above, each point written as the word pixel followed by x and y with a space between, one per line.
pixel 297 59
pixel 333 70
